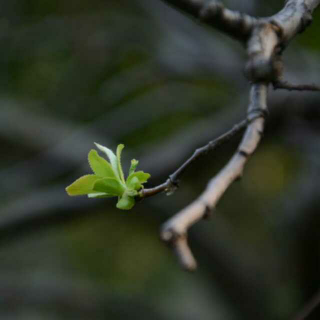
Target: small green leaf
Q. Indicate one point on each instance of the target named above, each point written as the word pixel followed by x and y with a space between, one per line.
pixel 100 166
pixel 140 175
pixel 119 150
pixel 134 184
pixel 83 185
pixel 125 202
pixel 134 164
pixel 110 186
pixel 112 157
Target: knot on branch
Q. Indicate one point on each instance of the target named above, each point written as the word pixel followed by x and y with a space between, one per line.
pixel 259 69
pixel 306 19
pixel 173 184
pixel 257 113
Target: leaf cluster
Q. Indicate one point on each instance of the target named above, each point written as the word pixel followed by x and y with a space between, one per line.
pixel 108 179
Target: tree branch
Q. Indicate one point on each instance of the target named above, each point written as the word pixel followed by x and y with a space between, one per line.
pixel 309 307
pixel 174 231
pixel 295 87
pixel 213 13
pixel 266 39
pixel 294 17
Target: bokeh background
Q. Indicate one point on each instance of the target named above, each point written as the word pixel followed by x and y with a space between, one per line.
pixel 140 73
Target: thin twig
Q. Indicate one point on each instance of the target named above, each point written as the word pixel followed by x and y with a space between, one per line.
pixel 150 192
pixel 309 307
pixel 212 145
pixel 172 183
pixel 295 87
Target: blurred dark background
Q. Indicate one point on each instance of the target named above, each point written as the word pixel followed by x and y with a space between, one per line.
pixel 140 73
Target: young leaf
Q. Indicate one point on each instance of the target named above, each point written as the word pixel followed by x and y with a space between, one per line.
pixel 100 166
pixel 119 150
pixel 108 180
pixel 134 164
pixel 83 185
pixel 112 157
pixel 125 202
pixel 110 186
pixel 140 175
pixel 134 184
pixel 132 193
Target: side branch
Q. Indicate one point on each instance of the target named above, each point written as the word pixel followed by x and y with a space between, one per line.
pixel 172 183
pixel 213 13
pixel 174 231
pixel 295 87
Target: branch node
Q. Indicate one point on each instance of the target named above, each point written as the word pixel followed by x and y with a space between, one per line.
pixel 257 113
pixel 208 212
pixel 172 185
pixel 244 154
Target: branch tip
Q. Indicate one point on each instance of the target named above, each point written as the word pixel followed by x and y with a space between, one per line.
pixel 184 254
pixel 167 236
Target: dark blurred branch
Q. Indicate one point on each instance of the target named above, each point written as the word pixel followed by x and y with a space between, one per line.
pixel 309 307
pixel 213 13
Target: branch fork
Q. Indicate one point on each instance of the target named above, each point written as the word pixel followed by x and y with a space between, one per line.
pixel 265 40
